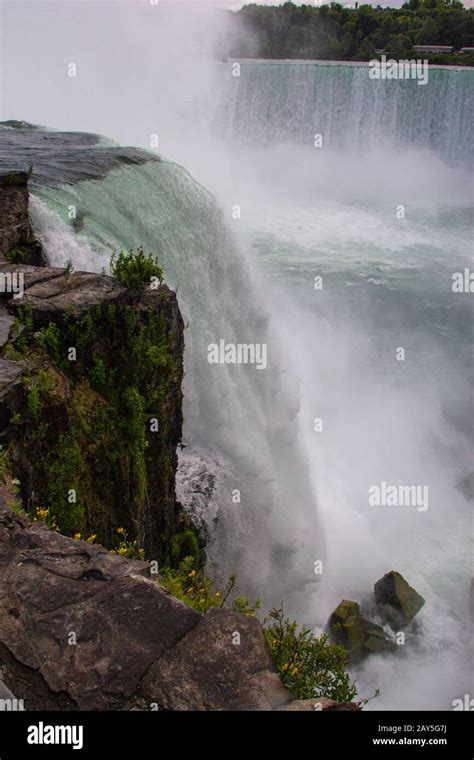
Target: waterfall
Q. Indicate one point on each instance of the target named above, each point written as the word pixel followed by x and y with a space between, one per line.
pixel 274 102
pixel 241 423
pixel 387 283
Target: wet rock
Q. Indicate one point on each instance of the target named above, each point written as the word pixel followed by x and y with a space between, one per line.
pixel 397 601
pixel 357 635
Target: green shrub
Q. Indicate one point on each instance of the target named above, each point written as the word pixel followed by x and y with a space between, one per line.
pixel 98 373
pixel 18 255
pixel 185 545
pixel 49 338
pixel 199 591
pixel 135 269
pixel 309 665
pixel 65 471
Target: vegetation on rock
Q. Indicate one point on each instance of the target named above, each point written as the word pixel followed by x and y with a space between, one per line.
pixel 96 437
pixel 135 269
pixel 309 665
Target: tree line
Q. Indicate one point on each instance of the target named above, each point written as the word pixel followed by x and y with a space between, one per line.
pixel 335 32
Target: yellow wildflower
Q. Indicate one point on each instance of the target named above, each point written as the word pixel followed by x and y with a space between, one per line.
pixel 92 538
pixel 77 536
pixel 121 530
pixel 122 550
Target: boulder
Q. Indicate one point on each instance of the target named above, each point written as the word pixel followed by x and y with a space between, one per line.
pixel 357 635
pixel 223 660
pixel 397 601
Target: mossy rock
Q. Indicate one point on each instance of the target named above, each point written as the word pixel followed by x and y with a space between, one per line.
pixel 357 635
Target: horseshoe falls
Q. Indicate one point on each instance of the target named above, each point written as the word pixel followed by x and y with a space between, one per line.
pixel 340 260
pixel 273 102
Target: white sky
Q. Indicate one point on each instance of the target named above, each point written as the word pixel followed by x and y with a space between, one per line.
pixel 236 4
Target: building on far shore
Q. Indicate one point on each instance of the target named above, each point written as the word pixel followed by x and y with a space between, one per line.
pixel 433 48
pixel 466 50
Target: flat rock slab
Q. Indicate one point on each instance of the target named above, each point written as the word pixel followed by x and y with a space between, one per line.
pixel 51 294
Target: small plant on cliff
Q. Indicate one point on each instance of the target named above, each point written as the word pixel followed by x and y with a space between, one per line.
pixel 18 255
pixel 49 339
pixel 309 665
pixel 43 515
pixel 135 269
pixel 126 547
pixel 198 590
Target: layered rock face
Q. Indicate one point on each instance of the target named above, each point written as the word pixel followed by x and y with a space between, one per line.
pixel 90 401
pixel 16 235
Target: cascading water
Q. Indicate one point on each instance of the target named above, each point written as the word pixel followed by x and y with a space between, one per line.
pixel 383 213
pixel 307 212
pixel 271 102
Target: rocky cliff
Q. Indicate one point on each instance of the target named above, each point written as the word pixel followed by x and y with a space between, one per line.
pixel 90 397
pixel 17 241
